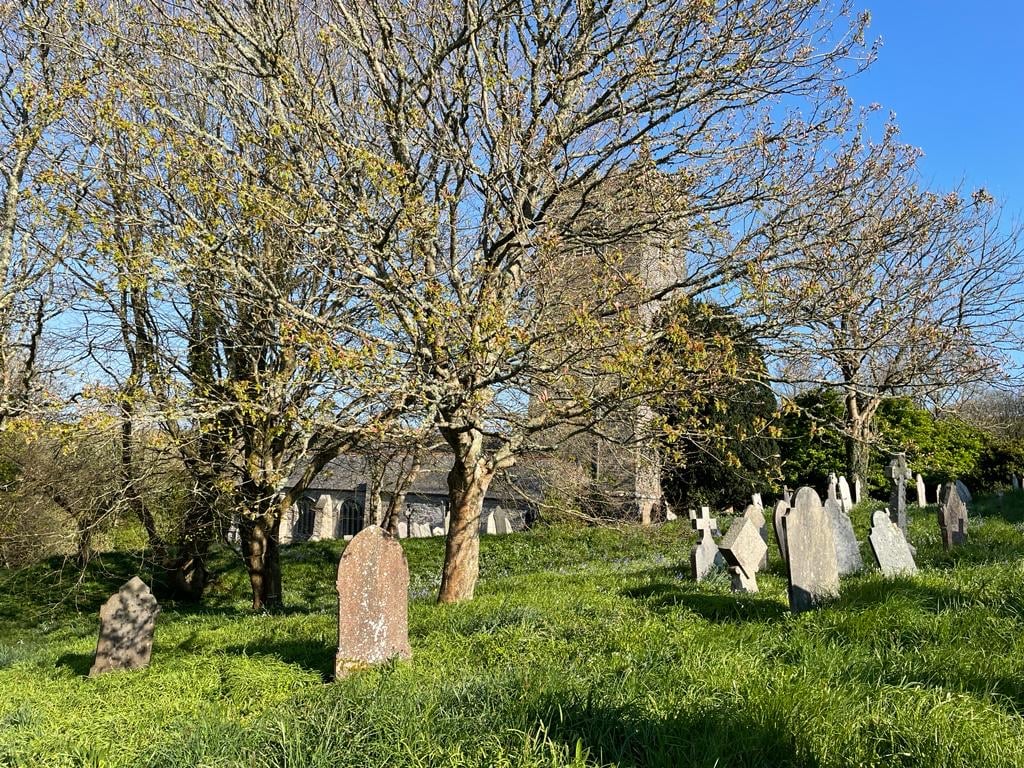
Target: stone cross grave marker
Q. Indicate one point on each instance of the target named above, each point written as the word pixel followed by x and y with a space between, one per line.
pixel 755 515
pixel 127 622
pixel 898 473
pixel 373 602
pixel 780 530
pixel 952 516
pixel 847 547
pixel 743 549
pixel 890 547
pixel 922 496
pixel 705 557
pixel 812 566
pixel 844 494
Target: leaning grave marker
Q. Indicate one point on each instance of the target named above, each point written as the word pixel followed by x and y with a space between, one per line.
pixel 812 567
pixel 847 547
pixel 743 549
pixel 890 547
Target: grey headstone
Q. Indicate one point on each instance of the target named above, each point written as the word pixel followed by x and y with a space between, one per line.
pixel 127 622
pixel 833 486
pixel 787 494
pixel 890 547
pixel 755 515
pixel 780 530
pixel 1015 481
pixel 755 499
pixel 403 529
pixel 847 547
pixel 922 496
pixel 965 494
pixel 952 516
pixel 812 566
pixel 898 473
pixel 323 518
pixel 844 494
pixel 857 494
pixel 938 493
pixel 501 524
pixel 490 526
pixel 705 556
pixel 743 549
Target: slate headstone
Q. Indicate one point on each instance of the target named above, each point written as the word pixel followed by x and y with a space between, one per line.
pixel 755 515
pixel 705 556
pixel 127 622
pixel 373 602
pixel 922 495
pixel 844 494
pixel 743 549
pixel 890 547
pixel 812 567
pixel 952 516
pixel 847 547
pixel 898 473
pixel 780 530
pixel 965 494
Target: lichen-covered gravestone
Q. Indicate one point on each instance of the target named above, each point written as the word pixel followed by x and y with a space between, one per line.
pixel 755 514
pixel 127 621
pixel 952 516
pixel 704 557
pixel 743 549
pixel 811 566
pixel 373 602
pixel 890 547
pixel 922 496
pixel 847 547
pixel 898 473
pixel 780 530
pixel 844 494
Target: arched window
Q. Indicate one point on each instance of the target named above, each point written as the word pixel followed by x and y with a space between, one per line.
pixel 350 521
pixel 307 517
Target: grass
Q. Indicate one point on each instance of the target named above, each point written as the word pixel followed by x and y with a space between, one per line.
pixel 583 647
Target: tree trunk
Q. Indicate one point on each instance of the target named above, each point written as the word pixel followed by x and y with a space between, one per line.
pixel 467 485
pixel 858 439
pixel 262 554
pixel 129 479
pixel 189 575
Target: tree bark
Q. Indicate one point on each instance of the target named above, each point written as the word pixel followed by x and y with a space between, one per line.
pixel 467 485
pixel 858 439
pixel 189 575
pixel 262 554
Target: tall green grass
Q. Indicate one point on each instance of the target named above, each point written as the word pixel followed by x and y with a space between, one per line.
pixel 583 647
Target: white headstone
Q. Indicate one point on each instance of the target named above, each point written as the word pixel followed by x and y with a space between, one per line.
pixel 844 495
pixel 890 547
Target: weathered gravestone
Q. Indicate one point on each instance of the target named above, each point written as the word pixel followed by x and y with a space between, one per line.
pixel 127 621
pixel 1015 481
pixel 324 518
pixel 844 494
pixel 670 516
pixel 755 499
pixel 373 602
pixel 489 524
pixel 890 547
pixel 847 547
pixel 922 495
pixel 501 523
pixel 833 486
pixel 403 529
pixel 780 530
pixel 743 549
pixel 755 514
pixel 898 473
pixel 952 517
pixel 811 566
pixel 857 495
pixel 705 556
pixel 787 494
pixel 965 494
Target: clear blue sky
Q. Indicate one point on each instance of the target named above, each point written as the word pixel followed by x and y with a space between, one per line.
pixel 953 73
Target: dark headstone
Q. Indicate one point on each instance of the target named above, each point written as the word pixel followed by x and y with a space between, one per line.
pixel 812 566
pixel 373 602
pixel 780 530
pixel 962 489
pixel 847 547
pixel 890 547
pixel 743 549
pixel 127 621
pixel 898 473
pixel 952 516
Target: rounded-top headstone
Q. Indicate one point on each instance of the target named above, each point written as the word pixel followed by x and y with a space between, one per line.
pixel 127 621
pixel 373 602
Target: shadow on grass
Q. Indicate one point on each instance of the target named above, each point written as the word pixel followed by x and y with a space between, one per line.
pixel 632 738
pixel 79 663
pixel 311 656
pixel 665 596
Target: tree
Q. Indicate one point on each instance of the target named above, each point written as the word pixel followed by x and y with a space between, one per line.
pixel 889 289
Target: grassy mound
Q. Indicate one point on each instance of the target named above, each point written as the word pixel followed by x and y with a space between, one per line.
pixel 583 647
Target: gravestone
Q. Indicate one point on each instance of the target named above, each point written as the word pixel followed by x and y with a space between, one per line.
pixel 833 486
pixel 127 621
pixel 489 525
pixel 847 547
pixel 705 556
pixel 890 547
pixel 922 497
pixel 755 515
pixel 856 490
pixel 755 499
pixel 952 517
pixel 787 494
pixel 780 530
pixel 743 549
pixel 501 524
pixel 403 529
pixel 373 602
pixel 323 518
pixel 812 567
pixel 1015 481
pixel 670 516
pixel 965 494
pixel 898 473
pixel 938 493
pixel 844 494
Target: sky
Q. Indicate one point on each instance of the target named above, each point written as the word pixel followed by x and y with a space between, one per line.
pixel 953 74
